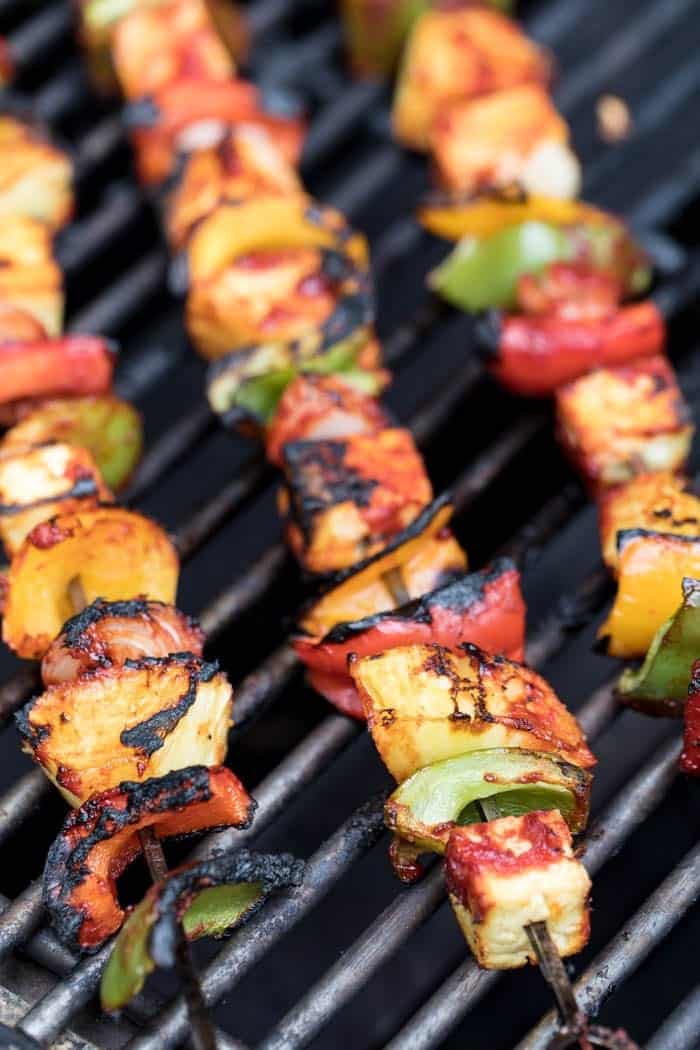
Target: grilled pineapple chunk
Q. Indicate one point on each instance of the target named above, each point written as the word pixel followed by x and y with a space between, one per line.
pixel 133 722
pixel 424 703
pixel 659 502
pixel 514 136
pixel 36 483
pixel 35 177
pixel 509 873
pixel 113 553
pixel 30 280
pixel 480 51
pixel 616 423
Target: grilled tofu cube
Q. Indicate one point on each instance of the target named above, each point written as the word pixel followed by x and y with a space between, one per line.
pixel 111 552
pixel 35 176
pixel 36 483
pixel 459 54
pixel 650 570
pixel 509 873
pixel 514 136
pixel 152 46
pixel 30 280
pixel 424 703
pixel 247 162
pixel 651 502
pixel 132 722
pixel 616 423
pixel 345 499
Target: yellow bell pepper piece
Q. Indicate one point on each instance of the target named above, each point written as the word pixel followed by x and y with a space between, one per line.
pixel 487 213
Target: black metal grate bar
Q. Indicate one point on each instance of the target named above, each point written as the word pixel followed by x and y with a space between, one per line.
pixel 682 1029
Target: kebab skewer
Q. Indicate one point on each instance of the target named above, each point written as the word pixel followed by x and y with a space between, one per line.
pixel 318 470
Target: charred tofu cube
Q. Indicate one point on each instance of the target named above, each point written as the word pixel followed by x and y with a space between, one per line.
pixel 152 46
pixel 425 703
pixel 459 54
pixel 30 280
pixel 509 873
pixel 344 500
pixel 616 423
pixel 35 176
pixel 514 136
pixel 651 502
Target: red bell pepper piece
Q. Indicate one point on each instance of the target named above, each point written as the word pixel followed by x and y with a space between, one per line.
pixel 535 354
pixel 72 366
pixel 690 756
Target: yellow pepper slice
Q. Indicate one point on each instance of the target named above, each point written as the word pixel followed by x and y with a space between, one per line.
pixel 484 214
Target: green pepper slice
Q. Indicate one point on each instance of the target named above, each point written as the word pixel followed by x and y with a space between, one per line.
pixel 109 428
pixel 209 898
pixel 483 273
pixel 660 685
pixel 425 807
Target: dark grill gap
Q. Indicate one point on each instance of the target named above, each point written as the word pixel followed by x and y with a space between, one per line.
pixel 648 55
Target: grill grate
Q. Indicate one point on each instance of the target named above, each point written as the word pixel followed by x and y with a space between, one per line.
pixel 396 946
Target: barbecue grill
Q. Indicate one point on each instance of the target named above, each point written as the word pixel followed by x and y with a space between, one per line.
pixel 350 957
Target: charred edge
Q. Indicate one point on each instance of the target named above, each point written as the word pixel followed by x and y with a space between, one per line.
pixel 98 820
pixel 626 536
pixel 33 735
pixel 74 629
pixel 329 581
pixel 514 193
pixel 149 736
pixel 84 487
pixel 273 872
pixel 457 594
pixel 319 478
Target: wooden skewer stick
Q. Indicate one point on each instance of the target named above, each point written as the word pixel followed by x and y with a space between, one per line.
pixel 394 581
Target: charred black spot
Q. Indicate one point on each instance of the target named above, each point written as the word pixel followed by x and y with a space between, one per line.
pixel 148 736
pixel 75 628
pixel 272 872
pixel 34 735
pixel 626 536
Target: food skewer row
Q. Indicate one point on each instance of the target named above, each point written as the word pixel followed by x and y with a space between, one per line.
pixel 279 295
pixel 132 725
pixel 555 278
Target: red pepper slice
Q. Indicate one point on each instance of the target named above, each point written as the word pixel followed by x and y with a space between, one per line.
pixel 75 365
pixel 690 756
pixel 100 839
pixel 485 608
pixel 535 354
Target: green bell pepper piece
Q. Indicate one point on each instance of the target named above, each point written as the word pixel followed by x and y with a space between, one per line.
pixel 109 428
pixel 480 274
pixel 425 807
pixel 660 685
pixel 209 898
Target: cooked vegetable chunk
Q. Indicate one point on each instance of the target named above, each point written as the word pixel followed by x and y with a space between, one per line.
pixel 190 114
pixel 133 722
pixel 210 898
pixel 660 685
pixel 35 176
pixel 514 136
pixel 535 355
pixel 109 428
pixel 247 162
pixel 425 703
pixel 30 279
pixel 107 634
pixel 653 502
pixel 99 841
pixel 318 408
pixel 485 608
pixel 454 216
pixel 344 500
pixel 152 46
pixel 618 422
pixel 36 483
pixel 274 270
pixel 509 873
pixel 78 364
pixel 651 567
pixel 427 806
pixel 112 553
pixel 690 756
pixel 480 52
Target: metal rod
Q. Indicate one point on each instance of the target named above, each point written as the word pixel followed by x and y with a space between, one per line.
pixel 682 1029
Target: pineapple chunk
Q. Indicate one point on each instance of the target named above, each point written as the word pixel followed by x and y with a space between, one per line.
pixel 35 177
pixel 616 423
pixel 30 280
pixel 133 722
pixel 509 873
pixel 424 703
